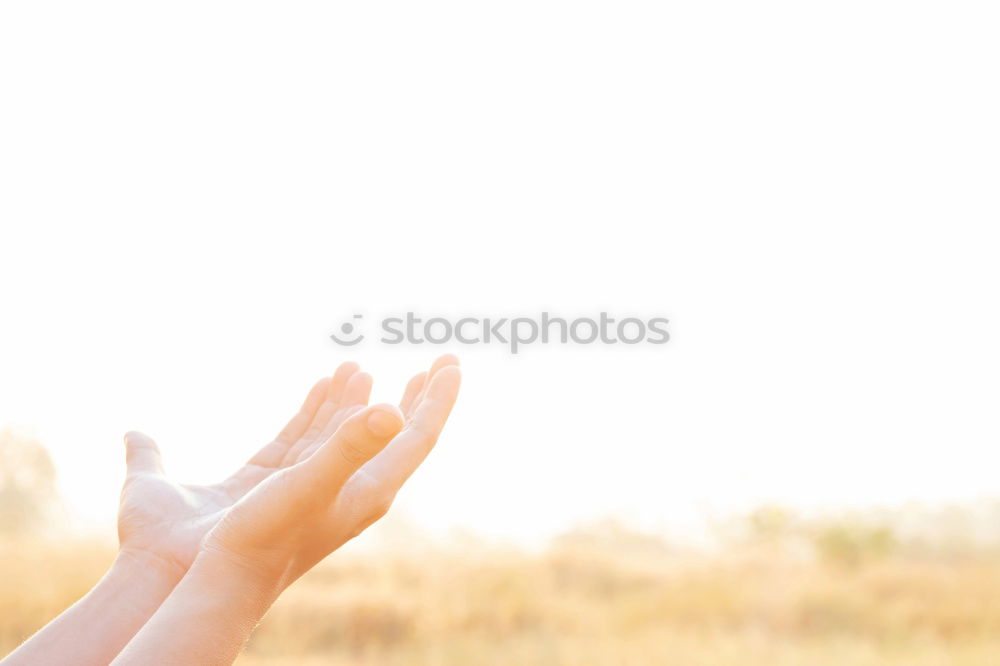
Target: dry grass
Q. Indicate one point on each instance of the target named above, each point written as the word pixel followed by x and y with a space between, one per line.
pixel 618 601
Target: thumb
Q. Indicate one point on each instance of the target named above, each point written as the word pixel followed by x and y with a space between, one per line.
pixel 354 443
pixel 142 456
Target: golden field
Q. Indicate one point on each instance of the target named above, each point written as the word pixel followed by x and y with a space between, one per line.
pixel 775 591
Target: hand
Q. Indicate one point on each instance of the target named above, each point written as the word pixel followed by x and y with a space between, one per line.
pixel 334 489
pixel 301 496
pixel 168 520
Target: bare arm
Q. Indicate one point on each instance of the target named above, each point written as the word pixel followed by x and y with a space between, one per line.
pixel 285 526
pixel 96 628
pixel 163 524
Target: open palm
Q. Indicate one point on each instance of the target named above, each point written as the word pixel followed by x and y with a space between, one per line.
pixel 170 520
pixel 334 489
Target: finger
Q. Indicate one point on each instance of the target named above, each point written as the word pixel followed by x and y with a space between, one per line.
pixel 442 362
pixel 356 394
pixel 439 364
pixel 324 414
pixel 404 454
pixel 142 456
pixel 341 378
pixel 357 391
pixel 338 384
pixel 356 441
pixel 413 388
pixel 271 454
pixel 342 415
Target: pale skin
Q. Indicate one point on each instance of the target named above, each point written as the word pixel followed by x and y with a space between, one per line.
pixel 198 566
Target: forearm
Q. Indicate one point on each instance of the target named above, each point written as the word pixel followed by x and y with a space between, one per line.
pixel 207 619
pixel 96 628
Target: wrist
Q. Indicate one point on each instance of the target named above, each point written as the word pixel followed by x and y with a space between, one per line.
pixel 141 580
pixel 220 572
pixel 156 567
pixel 209 616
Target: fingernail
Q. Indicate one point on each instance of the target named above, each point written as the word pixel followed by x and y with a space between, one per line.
pixel 384 423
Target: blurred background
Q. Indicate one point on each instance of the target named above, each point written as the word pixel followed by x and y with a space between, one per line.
pixel 194 196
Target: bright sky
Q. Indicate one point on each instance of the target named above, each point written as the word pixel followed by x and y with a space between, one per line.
pixel 194 195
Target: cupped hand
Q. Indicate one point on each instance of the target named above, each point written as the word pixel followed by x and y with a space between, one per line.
pixel 169 520
pixel 335 488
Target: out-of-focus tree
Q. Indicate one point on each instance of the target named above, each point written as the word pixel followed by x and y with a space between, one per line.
pixel 771 524
pixel 852 543
pixel 27 484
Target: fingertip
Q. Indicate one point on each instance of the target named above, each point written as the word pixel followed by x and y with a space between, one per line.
pixel 446 382
pixel 449 374
pixel 412 390
pixel 443 361
pixel 343 374
pixel 358 389
pixel 384 420
pixel 134 438
pixel 347 368
pixel 360 377
pixel 141 454
pixel 340 379
pixel 446 360
pixel 318 390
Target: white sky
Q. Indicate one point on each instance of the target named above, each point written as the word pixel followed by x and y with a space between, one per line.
pixel 194 194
